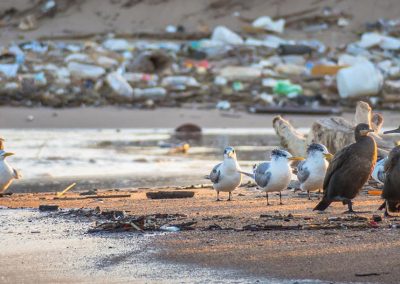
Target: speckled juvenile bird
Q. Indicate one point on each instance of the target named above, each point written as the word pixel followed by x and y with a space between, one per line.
pixel 226 176
pixel 274 175
pixel 311 172
pixel 7 173
pixel 349 169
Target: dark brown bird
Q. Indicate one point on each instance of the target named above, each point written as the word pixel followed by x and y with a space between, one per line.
pixel 391 188
pixel 349 169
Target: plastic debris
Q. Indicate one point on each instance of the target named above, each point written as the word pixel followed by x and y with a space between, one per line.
pixel 358 80
pixel 240 73
pixel 119 85
pixel 268 24
pixel 286 88
pixel 223 105
pixel 85 71
pixel 9 70
pixel 223 35
pixel 167 228
pixel 157 92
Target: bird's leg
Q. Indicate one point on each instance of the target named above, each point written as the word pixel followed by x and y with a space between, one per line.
pixel 350 206
pixel 386 214
pixel 280 198
pixel 319 194
pixel 309 196
pixel 266 194
pixel 218 196
pixel 229 199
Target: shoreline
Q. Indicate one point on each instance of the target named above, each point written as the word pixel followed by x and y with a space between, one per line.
pixel 119 118
pixel 296 243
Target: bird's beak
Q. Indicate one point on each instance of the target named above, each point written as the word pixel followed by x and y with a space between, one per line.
pixel 230 154
pixel 7 154
pixel 296 159
pixel 328 156
pixel 366 131
pixel 392 131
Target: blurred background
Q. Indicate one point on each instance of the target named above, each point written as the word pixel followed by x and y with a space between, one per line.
pixel 141 93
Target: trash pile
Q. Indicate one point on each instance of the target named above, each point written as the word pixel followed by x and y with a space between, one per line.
pixel 121 221
pixel 256 68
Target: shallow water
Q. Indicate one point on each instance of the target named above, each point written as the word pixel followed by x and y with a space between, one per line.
pixel 46 248
pixel 139 155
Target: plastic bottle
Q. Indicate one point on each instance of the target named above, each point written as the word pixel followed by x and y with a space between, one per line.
pixel 359 80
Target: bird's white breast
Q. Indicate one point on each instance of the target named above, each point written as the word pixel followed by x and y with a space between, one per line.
pixel 317 167
pixel 230 177
pixel 6 175
pixel 281 174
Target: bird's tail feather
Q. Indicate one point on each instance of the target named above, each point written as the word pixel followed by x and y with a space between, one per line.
pixel 247 174
pixel 322 205
pixel 17 174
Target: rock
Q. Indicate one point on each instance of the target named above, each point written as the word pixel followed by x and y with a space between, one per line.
pixel 151 62
pixel 48 207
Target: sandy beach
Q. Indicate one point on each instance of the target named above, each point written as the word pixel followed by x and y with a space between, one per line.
pixel 94 90
pixel 280 241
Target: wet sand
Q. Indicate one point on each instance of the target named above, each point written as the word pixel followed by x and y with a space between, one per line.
pixel 295 243
pixel 114 117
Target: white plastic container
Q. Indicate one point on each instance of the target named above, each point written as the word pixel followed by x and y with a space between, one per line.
pixel 362 79
pixel 119 85
pixel 224 35
pixel 85 71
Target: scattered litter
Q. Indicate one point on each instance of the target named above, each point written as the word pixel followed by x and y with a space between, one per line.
pixel 362 79
pixel 169 228
pixel 59 194
pixel 268 24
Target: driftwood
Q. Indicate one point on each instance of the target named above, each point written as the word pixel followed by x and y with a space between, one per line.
pixel 169 194
pixel 334 132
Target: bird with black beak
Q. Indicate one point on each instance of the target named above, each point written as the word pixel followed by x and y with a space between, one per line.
pixel 349 169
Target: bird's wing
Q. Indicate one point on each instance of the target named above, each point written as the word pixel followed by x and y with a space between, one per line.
pixel 390 162
pixel 340 158
pixel 262 175
pixel 215 174
pixel 302 172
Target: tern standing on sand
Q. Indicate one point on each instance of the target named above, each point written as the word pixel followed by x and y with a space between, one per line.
pixel 7 173
pixel 350 169
pixel 226 176
pixel 311 172
pixel 274 175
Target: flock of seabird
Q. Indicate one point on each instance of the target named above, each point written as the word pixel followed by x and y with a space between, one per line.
pixel 340 176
